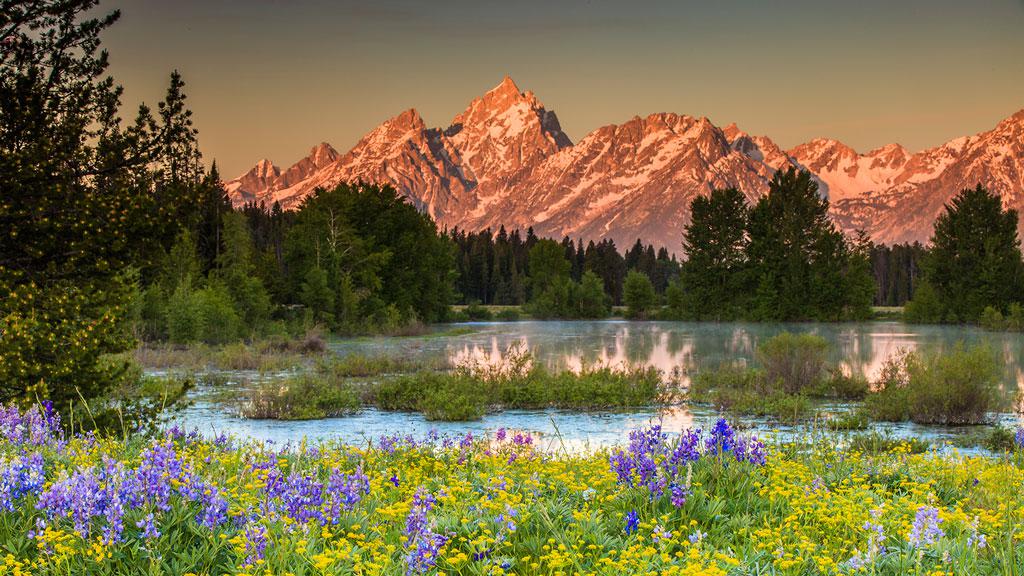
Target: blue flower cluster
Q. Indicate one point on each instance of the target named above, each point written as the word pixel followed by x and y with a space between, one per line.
pixel 657 463
pixel 925 530
pixel 422 544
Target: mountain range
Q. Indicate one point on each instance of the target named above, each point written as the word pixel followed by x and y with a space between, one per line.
pixel 506 161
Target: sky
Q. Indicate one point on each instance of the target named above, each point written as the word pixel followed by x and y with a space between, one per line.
pixel 272 78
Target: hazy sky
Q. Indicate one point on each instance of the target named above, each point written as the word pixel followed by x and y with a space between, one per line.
pixel 271 78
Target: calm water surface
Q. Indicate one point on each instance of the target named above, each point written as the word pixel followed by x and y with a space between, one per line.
pixel 679 348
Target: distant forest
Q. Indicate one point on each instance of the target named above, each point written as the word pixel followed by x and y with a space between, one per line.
pixel 492 267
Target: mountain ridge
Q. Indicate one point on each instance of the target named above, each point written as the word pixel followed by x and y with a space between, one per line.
pixel 505 160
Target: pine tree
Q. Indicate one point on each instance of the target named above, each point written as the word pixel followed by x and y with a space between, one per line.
pixel 714 272
pixel 975 259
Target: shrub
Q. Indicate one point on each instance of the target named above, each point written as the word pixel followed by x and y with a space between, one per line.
pixel 784 407
pixel 508 315
pixel 992 319
pixel 457 399
pixel 302 397
pixel 184 316
pixel 841 386
pixel 877 443
pixel 793 362
pixel 925 307
pixel 856 420
pixel 727 376
pixel 957 387
pixel 220 320
pixel 474 311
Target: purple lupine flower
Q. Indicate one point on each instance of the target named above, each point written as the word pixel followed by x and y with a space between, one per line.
pixel 977 539
pixel 632 522
pixel 679 495
pixel 423 545
pixel 19 477
pixel 347 490
pixel 925 530
pixel 301 497
pixel 659 534
pixel 148 526
pixel 722 438
pixel 522 439
pixel 1019 437
pixel 696 537
pixel 255 542
pixel 500 434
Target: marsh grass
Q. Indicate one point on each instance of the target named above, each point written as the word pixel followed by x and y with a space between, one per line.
pixel 270 355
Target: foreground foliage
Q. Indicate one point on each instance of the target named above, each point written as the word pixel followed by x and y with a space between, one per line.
pixel 713 502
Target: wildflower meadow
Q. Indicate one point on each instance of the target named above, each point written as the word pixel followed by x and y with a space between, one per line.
pixel 707 502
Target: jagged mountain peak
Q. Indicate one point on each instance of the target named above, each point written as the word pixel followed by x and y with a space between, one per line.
pixel 506 161
pixel 264 168
pixel 323 154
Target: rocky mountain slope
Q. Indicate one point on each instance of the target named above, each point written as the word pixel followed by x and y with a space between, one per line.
pixel 506 161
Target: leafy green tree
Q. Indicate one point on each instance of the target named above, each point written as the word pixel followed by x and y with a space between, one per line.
pixel 548 266
pixel 588 297
pixel 316 295
pixel 83 202
pixel 714 271
pixel 975 259
pixel 926 307
pixel 237 271
pixel 639 296
pixel 550 282
pixel 860 284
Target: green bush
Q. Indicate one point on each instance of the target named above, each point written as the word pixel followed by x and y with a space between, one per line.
pixel 840 386
pixel 221 322
pixel 992 319
pixel 856 420
pixel 638 295
pixel 457 399
pixel 508 315
pixel 727 376
pixel 925 307
pixel 475 312
pixel 302 397
pixel 591 389
pixel 957 387
pixel 876 443
pixel 794 363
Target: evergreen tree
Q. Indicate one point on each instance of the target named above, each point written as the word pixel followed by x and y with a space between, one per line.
pixel 714 272
pixel 796 253
pixel 85 200
pixel 975 259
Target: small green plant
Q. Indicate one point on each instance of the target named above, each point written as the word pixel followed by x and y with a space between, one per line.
pixel 841 386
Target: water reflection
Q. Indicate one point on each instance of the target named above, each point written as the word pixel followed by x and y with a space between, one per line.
pixel 687 347
pixel 677 348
